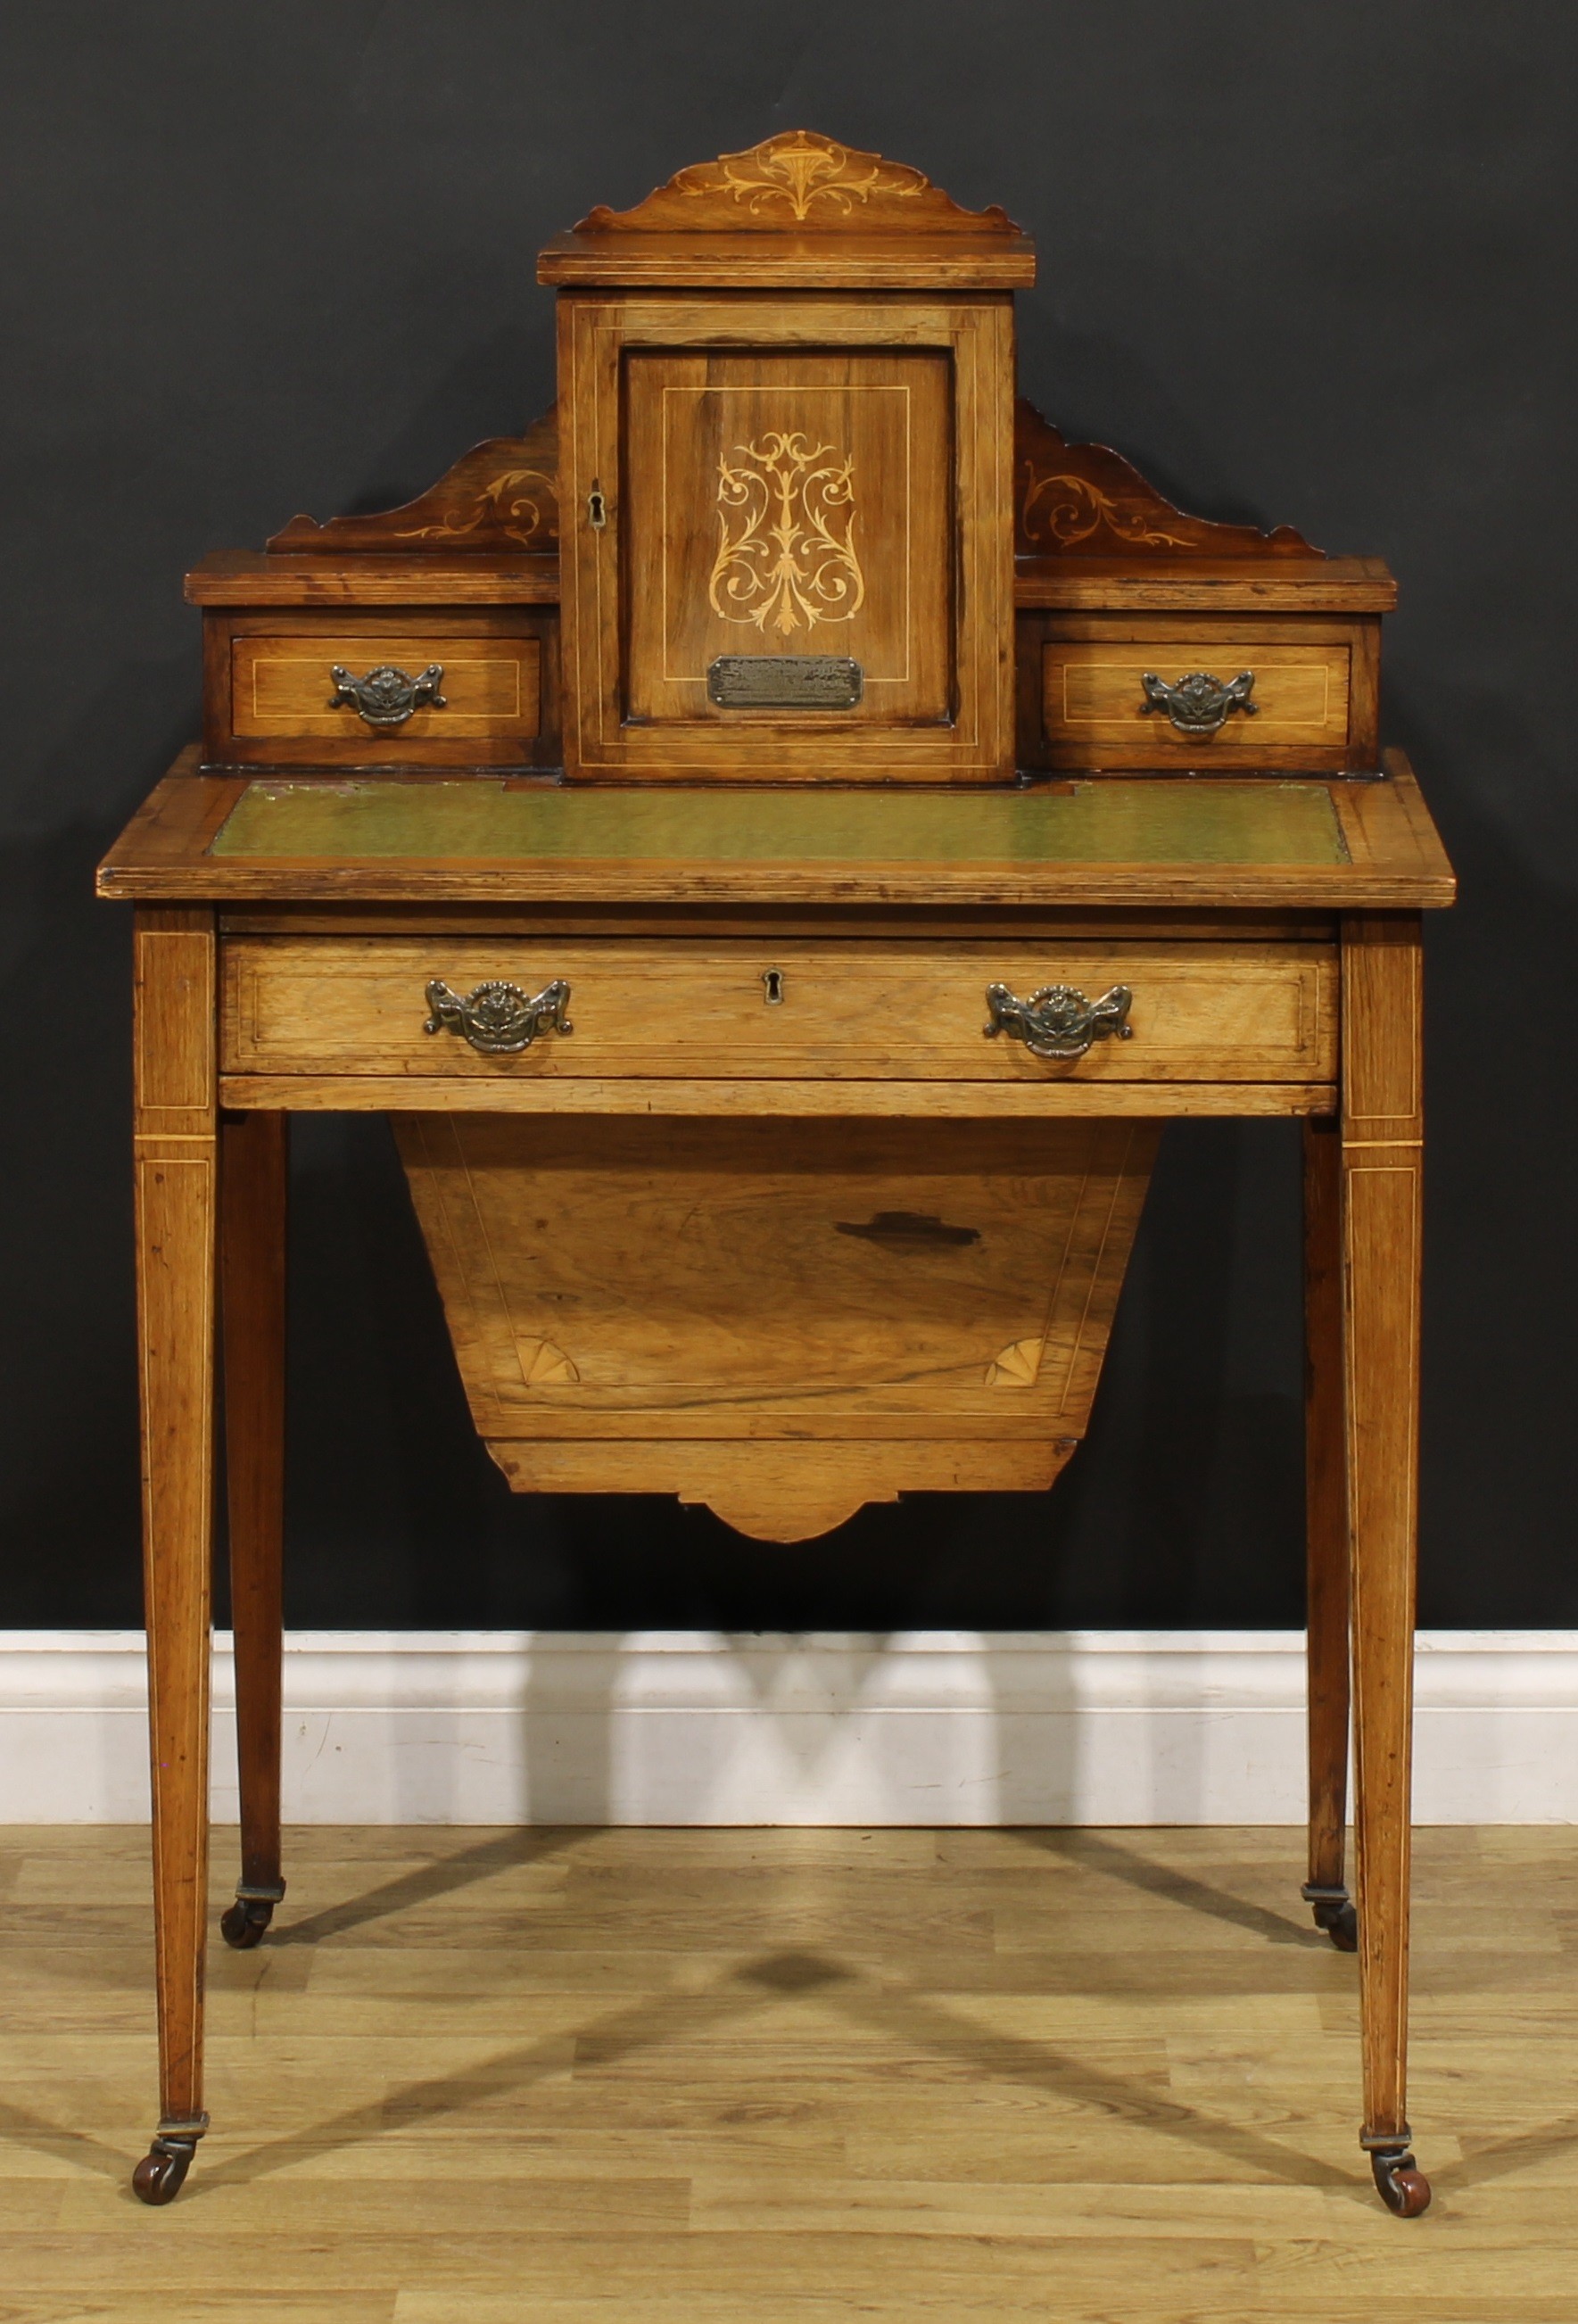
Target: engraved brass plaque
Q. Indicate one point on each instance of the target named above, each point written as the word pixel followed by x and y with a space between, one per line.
pixel 785 682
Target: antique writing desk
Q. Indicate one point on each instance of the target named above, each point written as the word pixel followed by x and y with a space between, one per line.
pixel 779 839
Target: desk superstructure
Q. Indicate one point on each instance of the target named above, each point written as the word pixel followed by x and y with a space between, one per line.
pixel 779 839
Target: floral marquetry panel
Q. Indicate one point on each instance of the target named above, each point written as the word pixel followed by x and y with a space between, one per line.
pixel 790 505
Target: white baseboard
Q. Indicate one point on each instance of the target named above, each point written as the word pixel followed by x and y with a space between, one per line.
pixel 935 1727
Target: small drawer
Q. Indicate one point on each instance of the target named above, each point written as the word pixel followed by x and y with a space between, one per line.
pixel 1124 694
pixel 802 1009
pixel 336 689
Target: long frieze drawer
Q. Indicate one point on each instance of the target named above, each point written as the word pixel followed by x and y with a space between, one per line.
pixel 804 1009
pixel 1273 694
pixel 360 690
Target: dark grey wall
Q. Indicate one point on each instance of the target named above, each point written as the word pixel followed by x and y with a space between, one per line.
pixel 1310 264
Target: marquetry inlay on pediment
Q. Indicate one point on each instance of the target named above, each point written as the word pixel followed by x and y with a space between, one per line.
pixel 798 180
pixel 499 499
pixel 502 498
pixel 1084 500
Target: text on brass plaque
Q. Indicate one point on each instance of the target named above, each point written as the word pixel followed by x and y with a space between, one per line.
pixel 785 682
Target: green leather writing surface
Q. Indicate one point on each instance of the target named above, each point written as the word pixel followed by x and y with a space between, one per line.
pixel 1110 821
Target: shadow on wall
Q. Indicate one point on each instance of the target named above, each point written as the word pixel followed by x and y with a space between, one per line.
pixel 665 1728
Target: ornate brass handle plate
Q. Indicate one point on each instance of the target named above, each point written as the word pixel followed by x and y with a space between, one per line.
pixel 1058 1021
pixel 386 697
pixel 1198 704
pixel 499 1018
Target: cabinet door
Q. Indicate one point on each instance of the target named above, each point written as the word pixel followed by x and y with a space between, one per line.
pixel 787 538
pixel 786 508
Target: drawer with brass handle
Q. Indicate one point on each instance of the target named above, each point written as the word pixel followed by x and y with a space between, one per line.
pixel 355 688
pixel 1178 692
pixel 797 1009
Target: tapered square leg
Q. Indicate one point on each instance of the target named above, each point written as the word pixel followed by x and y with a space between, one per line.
pixel 1326 1532
pixel 1382 1132
pixel 253 1161
pixel 176 1164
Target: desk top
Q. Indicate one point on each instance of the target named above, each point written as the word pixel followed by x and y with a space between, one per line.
pixel 499 822
pixel 1263 841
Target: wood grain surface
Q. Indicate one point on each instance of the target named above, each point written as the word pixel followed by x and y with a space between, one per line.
pixel 283 687
pixel 254 1172
pixel 1327 1596
pixel 799 210
pixel 253 577
pixel 345 1005
pixel 1382 1135
pixel 498 500
pixel 853 456
pixel 796 177
pixel 650 1094
pixel 865 1283
pixel 269 690
pixel 176 1171
pixel 781 1492
pixel 640 513
pixel 1098 715
pixel 651 2076
pixel 1079 500
pixel 1127 844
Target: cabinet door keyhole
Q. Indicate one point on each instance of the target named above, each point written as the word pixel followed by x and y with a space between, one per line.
pixel 772 985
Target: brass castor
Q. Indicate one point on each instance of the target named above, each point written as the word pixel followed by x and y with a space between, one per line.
pixel 1399 2182
pixel 161 2173
pixel 243 1924
pixel 1334 1912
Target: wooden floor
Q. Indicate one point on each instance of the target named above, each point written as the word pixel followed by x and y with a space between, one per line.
pixel 789 2077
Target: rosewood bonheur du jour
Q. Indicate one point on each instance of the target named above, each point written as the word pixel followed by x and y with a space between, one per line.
pixel 779 839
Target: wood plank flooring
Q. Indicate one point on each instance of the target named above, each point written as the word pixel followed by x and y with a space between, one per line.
pixel 789 2077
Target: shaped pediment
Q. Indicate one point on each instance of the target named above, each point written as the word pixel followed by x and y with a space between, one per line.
pixel 1084 500
pixel 499 499
pixel 797 181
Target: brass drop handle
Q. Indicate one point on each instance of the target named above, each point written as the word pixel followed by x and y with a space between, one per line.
pixel 1199 704
pixel 1058 1021
pixel 499 1018
pixel 386 697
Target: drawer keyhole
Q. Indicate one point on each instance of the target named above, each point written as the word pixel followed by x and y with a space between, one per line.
pixel 773 987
